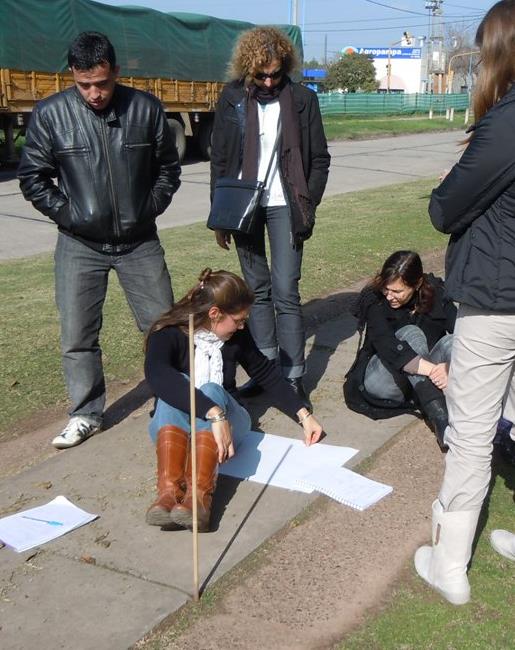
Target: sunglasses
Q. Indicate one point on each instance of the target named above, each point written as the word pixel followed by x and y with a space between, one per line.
pixel 263 76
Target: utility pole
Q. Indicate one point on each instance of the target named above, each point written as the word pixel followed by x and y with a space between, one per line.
pixel 294 12
pixel 435 53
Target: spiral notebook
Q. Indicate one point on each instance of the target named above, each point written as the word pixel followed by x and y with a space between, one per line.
pixel 345 486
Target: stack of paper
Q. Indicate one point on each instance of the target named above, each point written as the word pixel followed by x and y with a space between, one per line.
pixel 280 461
pixel 347 487
pixel 34 527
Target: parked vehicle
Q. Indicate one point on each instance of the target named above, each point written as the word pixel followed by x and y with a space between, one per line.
pixel 179 57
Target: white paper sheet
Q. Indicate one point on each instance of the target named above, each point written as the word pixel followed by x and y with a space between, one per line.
pixel 30 528
pixel 345 486
pixel 275 460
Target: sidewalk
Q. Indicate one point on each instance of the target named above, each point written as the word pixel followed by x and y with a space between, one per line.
pixel 107 584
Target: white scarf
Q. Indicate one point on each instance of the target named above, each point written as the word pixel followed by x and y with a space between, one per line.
pixel 208 358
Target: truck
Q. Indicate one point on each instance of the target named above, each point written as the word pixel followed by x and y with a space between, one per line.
pixel 181 58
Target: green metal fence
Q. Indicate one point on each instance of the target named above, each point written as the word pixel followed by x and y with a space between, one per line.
pixel 389 103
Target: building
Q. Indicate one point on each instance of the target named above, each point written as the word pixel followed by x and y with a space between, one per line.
pixel 405 74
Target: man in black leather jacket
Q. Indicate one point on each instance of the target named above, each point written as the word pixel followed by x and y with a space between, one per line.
pixel 117 168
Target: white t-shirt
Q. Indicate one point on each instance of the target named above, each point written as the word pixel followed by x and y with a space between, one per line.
pixel 268 115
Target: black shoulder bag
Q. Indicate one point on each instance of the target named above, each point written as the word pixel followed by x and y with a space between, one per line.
pixel 236 202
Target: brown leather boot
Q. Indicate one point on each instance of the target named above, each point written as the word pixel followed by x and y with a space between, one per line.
pixel 207 466
pixel 172 451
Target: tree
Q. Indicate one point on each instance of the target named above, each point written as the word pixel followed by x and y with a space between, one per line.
pixel 457 40
pixel 352 72
pixel 313 64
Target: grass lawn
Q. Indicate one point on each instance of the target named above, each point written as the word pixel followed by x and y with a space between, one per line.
pixel 354 233
pixel 416 618
pixel 354 127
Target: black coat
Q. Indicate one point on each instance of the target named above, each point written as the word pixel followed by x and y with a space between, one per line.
pixel 116 171
pixel 382 321
pixel 229 130
pixel 167 359
pixel 475 204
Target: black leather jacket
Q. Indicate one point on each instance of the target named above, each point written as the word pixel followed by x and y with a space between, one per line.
pixel 116 171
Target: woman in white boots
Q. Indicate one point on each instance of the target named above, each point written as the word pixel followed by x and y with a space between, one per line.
pixel 220 304
pixel 475 204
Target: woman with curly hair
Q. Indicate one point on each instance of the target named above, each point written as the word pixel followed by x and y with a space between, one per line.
pixel 259 103
pixel 220 305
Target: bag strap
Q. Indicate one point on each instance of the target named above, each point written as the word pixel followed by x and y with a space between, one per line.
pixel 276 143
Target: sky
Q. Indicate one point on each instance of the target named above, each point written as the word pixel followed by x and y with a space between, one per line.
pixel 330 25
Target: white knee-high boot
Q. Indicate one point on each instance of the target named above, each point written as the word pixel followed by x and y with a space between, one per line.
pixel 444 565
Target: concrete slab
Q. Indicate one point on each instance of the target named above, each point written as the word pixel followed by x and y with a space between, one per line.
pixel 105 585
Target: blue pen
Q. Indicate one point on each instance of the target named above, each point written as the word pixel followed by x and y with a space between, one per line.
pixel 45 521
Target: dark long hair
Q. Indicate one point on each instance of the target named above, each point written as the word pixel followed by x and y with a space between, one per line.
pixel 222 289
pixel 496 39
pixel 406 266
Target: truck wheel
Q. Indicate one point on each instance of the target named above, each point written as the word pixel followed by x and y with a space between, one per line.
pixel 204 139
pixel 179 136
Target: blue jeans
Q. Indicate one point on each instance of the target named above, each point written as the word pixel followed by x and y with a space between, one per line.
pixel 276 321
pixel 380 382
pixel 81 275
pixel 236 414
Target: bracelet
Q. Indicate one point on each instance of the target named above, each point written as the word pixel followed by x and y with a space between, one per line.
pixel 303 419
pixel 219 417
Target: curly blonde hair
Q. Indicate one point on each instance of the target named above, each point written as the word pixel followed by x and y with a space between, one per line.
pixel 257 48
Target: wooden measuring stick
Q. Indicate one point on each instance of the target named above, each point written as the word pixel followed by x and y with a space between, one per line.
pixel 193 458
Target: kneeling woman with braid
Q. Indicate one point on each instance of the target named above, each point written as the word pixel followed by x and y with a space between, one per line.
pixel 220 304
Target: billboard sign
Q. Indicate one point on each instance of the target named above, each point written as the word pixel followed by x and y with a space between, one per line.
pixel 395 52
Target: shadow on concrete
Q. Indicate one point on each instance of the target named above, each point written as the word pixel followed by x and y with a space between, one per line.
pixel 127 404
pixel 316 312
pixel 218 508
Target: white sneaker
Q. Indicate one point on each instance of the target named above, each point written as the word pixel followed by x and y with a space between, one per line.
pixel 75 432
pixel 504 543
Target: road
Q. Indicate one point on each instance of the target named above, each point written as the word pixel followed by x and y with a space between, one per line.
pixel 356 165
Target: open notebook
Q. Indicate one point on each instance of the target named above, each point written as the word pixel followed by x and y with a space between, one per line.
pixel 345 486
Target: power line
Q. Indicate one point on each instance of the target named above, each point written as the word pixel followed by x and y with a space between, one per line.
pixel 405 11
pixel 461 7
pixel 376 20
pixel 382 29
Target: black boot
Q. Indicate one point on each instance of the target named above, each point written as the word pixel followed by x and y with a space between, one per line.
pixel 250 389
pixel 298 386
pixel 436 412
pixel 434 408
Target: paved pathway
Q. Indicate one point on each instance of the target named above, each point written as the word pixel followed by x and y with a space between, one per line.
pixel 107 584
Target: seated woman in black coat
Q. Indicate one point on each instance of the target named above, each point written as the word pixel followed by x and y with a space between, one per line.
pixel 220 304
pixel 404 361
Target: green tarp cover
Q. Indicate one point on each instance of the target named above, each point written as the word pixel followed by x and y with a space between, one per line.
pixel 35 35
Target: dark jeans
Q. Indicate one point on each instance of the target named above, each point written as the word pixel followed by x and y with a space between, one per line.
pixel 380 382
pixel 276 318
pixel 81 275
